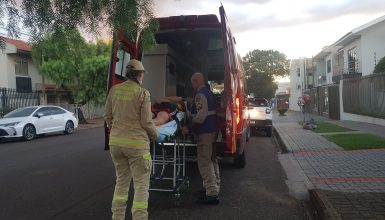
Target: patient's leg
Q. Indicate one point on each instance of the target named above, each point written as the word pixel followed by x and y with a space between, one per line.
pixel 161 118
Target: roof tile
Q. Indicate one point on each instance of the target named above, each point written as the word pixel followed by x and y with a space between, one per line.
pixel 19 44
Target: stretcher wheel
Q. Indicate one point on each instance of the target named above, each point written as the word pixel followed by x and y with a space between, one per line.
pixel 177 199
pixel 187 186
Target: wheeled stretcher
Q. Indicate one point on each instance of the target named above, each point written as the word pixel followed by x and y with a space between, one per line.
pixel 169 165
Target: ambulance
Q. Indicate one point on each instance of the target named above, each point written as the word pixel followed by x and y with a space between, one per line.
pixel 187 44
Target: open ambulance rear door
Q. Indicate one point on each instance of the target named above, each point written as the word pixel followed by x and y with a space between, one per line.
pixel 230 85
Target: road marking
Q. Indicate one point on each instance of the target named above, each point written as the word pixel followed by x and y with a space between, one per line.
pixel 347 179
pixel 337 151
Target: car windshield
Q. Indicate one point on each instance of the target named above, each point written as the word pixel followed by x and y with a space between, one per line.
pixel 258 103
pixel 21 112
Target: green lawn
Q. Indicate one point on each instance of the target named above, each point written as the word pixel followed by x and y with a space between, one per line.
pixel 356 141
pixel 325 127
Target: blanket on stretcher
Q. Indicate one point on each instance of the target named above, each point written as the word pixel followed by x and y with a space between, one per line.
pixel 165 130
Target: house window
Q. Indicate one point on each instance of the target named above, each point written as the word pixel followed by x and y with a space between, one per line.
pixel 23 84
pixel 352 60
pixel 21 67
pixel 329 66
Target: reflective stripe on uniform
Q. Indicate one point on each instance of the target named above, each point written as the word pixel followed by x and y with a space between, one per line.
pixel 120 198
pixel 140 205
pixel 147 156
pixel 213 112
pixel 114 140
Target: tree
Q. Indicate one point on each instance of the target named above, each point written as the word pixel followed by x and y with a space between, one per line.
pixel 42 17
pixel 380 67
pixel 262 67
pixel 77 66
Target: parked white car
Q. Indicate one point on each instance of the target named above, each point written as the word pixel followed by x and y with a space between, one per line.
pixel 260 115
pixel 31 121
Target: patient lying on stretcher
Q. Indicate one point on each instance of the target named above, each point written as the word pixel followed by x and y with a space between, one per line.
pixel 163 109
pixel 166 112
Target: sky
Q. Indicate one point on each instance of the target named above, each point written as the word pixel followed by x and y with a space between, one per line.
pixel 296 28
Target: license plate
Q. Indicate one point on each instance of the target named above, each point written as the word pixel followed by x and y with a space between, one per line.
pixel 252 122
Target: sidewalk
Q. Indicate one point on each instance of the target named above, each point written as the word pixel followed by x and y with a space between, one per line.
pixel 344 184
pixel 92 123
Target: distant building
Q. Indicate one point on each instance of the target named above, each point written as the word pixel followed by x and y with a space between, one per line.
pixel 302 77
pixel 283 87
pixel 353 55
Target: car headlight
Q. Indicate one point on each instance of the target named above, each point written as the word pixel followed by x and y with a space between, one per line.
pixel 10 124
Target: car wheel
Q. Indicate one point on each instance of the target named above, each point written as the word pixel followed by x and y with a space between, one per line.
pixel 269 131
pixel 69 128
pixel 29 132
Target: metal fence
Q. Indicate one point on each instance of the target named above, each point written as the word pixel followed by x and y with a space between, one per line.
pixel 365 96
pixel 11 99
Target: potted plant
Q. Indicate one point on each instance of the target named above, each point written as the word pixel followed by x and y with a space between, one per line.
pixel 282 111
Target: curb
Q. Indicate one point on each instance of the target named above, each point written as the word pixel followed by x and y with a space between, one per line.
pixel 91 123
pixel 279 141
pixel 88 127
pixel 324 208
pixel 319 204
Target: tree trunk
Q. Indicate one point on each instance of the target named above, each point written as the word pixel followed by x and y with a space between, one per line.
pixel 81 118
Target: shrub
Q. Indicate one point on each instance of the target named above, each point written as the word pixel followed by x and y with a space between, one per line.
pixel 282 111
pixel 380 67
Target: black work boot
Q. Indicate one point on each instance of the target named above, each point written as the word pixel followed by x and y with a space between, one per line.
pixel 208 200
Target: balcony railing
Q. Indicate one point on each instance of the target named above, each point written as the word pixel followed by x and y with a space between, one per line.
pixel 337 78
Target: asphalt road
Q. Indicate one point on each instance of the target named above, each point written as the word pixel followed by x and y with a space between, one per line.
pixel 72 177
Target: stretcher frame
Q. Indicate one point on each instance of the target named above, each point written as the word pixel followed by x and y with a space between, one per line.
pixel 178 182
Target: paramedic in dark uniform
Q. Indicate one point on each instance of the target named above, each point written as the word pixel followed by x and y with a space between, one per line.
pixel 128 116
pixel 204 127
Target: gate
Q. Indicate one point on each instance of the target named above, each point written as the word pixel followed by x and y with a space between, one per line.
pixel 334 102
pixel 11 99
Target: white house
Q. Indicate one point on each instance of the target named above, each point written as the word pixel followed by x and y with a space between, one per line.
pixel 18 70
pixel 353 55
pixel 20 75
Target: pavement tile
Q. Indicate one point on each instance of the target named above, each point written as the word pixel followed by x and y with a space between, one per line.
pixel 352 183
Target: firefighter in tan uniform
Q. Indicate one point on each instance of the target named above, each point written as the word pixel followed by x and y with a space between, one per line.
pixel 205 129
pixel 128 116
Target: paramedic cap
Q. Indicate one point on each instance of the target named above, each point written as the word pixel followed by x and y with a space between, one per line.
pixel 135 65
